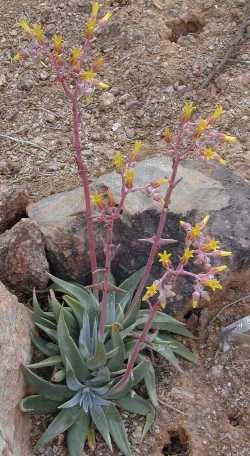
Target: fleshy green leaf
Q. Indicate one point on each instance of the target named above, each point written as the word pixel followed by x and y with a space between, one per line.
pixel 165 322
pixel 150 384
pixel 45 388
pixel 70 320
pixel 180 349
pixel 77 307
pixel 117 429
pixel 47 348
pixel 69 349
pixel 50 332
pixel 168 354
pixel 117 362
pixel 99 359
pixel 137 376
pixel 63 421
pixel 71 378
pixel 51 361
pixel 38 405
pixel 100 421
pixel 75 291
pixel 77 435
pixel 134 403
pixel 130 283
pixel 149 421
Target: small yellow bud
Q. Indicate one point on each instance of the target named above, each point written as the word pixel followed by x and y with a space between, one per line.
pixel 195 303
pixel 221 268
pixel 97 199
pixel 218 112
pixel 103 85
pixel 225 253
pixel 25 25
pixel 163 305
pixel 58 42
pixel 135 151
pixel 88 75
pixel 129 177
pixel 119 160
pixel 230 139
pixel 168 135
pixel 95 9
pixel 195 231
pixel 38 31
pixel 75 55
pixel 211 246
pixel 209 153
pixel 106 17
pixel 90 26
pixel 188 110
pixel 98 63
pixel 201 127
pixel 17 57
pixel 205 220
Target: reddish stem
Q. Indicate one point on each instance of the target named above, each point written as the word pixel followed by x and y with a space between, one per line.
pixel 106 280
pixel 83 172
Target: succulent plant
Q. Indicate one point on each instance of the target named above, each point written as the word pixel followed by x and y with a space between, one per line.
pixel 79 370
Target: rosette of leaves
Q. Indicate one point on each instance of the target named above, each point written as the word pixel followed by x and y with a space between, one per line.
pixel 78 371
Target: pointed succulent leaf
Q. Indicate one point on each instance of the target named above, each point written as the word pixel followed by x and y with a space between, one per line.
pixel 160 317
pixel 76 291
pixel 101 377
pixel 38 405
pixel 101 423
pixel 85 343
pixel 134 403
pixel 77 435
pixel 58 376
pixel 39 313
pixel 168 354
pixel 78 308
pixel 44 347
pixel 117 362
pixel 69 349
pixel 149 421
pixel 50 332
pixel 117 429
pixel 75 400
pixel 130 283
pixel 70 320
pixel 45 388
pixel 180 349
pixel 150 383
pixel 99 359
pixel 61 423
pixel 71 379
pixel 51 361
pixel 164 322
pixel 137 376
pixel 111 314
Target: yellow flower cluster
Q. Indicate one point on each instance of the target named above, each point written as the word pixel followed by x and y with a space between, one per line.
pixel 218 112
pixel 187 255
pixel 188 110
pixel 214 284
pixel 119 161
pixel 58 42
pixel 135 151
pixel 168 135
pixel 129 177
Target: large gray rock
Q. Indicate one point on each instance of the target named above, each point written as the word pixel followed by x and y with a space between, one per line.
pixel 220 193
pixel 15 350
pixel 23 262
pixel 13 203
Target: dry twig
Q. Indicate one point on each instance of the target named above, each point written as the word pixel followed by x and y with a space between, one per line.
pixel 23 142
pixel 226 307
pixel 218 68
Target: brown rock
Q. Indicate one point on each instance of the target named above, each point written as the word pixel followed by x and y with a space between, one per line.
pixel 13 203
pixel 15 350
pixel 23 263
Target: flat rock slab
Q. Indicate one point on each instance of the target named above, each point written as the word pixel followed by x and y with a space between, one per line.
pixel 202 190
pixel 15 350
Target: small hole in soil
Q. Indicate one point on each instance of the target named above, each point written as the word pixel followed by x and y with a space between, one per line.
pixel 183 28
pixel 178 444
pixel 234 419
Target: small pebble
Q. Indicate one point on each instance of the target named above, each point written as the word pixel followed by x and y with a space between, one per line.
pixel 107 100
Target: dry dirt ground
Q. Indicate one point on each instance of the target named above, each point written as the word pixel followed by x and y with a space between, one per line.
pixel 157 54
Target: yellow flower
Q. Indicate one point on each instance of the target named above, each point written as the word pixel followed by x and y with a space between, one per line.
pixel 136 150
pixel 201 127
pixel 187 255
pixel 90 26
pixel 230 139
pixel 164 258
pixel 225 253
pixel 188 110
pixel 151 291
pixel 205 220
pixel 88 75
pixel 97 199
pixel 214 284
pixel 168 135
pixel 218 112
pixel 129 176
pixel 209 153
pixel 212 245
pixel 95 9
pixel 118 160
pixel 75 55
pixel 103 85
pixel 25 25
pixel 58 42
pixel 98 63
pixel 38 32
pixel 195 231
